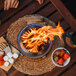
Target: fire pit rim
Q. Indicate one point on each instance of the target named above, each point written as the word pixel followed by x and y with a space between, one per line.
pixel 19 36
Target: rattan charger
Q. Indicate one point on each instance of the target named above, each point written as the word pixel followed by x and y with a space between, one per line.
pixel 25 64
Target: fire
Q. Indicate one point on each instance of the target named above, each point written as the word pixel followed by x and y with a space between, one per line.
pixel 34 38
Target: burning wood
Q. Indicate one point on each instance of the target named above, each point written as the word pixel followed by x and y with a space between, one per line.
pixel 34 38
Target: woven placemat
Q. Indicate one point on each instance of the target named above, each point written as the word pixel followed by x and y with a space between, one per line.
pixel 25 64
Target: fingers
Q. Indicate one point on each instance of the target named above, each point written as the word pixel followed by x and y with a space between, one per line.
pixel 10 4
pixel 14 4
pixel 17 5
pixel 5 5
pixel 40 1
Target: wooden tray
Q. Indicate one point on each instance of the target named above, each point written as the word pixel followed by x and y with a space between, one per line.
pixel 13 50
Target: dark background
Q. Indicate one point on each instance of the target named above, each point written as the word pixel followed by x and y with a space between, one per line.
pixel 71 5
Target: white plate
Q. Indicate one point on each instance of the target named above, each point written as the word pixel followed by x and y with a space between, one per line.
pixel 66 62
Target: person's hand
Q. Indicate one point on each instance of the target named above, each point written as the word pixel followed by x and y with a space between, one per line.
pixel 40 1
pixel 10 4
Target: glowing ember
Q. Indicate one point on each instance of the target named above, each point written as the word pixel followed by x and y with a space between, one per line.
pixel 34 38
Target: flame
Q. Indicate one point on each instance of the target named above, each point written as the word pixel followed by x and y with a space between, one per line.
pixel 34 38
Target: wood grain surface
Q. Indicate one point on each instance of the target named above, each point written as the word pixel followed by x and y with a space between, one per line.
pixel 47 9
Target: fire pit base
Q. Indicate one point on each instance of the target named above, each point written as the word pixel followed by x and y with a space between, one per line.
pixel 25 64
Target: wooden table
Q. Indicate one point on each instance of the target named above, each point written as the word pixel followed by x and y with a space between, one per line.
pixel 47 9
pixel 65 13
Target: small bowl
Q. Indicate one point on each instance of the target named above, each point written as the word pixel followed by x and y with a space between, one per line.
pixel 66 62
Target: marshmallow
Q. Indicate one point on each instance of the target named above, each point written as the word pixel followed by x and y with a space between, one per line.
pixel 11 60
pixel 6 64
pixel 15 55
pixel 9 54
pixel 6 58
